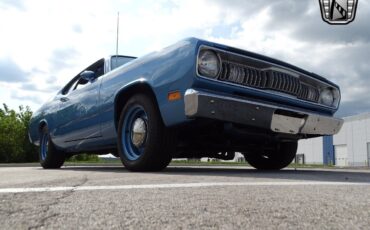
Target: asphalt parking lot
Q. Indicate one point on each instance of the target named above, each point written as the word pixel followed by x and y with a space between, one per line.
pixel 183 198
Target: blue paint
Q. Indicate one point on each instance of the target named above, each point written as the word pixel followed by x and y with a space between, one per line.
pixel 328 150
pixel 85 119
pixel 130 151
pixel 44 146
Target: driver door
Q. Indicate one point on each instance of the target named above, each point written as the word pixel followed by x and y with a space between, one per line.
pixel 78 109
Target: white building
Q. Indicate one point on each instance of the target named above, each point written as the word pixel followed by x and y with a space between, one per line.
pixel 312 150
pixel 350 147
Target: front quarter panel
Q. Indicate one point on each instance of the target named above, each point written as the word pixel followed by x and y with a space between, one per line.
pixel 167 70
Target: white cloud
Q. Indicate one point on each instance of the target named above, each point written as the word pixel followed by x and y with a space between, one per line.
pixel 54 40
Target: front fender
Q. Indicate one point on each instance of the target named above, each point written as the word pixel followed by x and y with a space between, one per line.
pixel 125 92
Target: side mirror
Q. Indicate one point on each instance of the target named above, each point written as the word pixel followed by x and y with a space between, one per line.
pixel 88 75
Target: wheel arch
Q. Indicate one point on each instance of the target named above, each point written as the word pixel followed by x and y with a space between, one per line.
pixel 42 124
pixel 125 93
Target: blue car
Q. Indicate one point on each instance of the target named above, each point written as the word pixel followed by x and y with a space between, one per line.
pixel 192 99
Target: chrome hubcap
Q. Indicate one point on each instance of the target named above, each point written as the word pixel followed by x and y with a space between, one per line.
pixel 138 132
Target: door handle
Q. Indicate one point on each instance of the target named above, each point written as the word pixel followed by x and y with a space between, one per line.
pixel 64 99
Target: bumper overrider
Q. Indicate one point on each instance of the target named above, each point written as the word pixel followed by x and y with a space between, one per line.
pixel 208 105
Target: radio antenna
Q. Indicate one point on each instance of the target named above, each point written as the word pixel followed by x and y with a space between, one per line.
pixel 117 37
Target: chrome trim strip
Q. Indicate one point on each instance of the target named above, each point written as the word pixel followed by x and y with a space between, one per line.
pixel 276 66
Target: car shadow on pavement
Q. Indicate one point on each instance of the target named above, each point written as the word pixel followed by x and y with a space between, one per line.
pixel 289 174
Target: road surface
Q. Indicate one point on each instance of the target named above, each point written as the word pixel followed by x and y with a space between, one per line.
pixel 183 198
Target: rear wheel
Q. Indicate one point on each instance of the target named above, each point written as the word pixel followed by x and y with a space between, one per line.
pixel 144 143
pixel 280 156
pixel 49 156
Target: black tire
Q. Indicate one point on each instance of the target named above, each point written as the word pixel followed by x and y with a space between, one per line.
pixel 282 155
pixel 154 153
pixel 51 158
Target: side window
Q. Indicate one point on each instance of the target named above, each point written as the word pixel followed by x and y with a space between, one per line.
pixel 99 70
pixel 81 83
pixel 78 83
pixel 70 86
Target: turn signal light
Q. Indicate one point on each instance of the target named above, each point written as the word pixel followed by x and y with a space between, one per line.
pixel 173 96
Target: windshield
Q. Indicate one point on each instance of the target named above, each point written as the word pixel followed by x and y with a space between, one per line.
pixel 117 61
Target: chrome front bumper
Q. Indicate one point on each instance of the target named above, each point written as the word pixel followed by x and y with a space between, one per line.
pixel 207 105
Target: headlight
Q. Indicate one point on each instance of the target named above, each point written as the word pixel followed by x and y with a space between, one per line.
pixel 327 97
pixel 209 64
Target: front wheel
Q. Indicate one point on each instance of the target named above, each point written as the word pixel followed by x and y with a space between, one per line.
pixel 49 156
pixel 144 143
pixel 275 158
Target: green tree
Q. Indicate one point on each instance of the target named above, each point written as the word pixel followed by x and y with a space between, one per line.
pixel 14 143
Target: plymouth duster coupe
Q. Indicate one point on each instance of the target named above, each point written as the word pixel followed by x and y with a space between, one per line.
pixel 192 99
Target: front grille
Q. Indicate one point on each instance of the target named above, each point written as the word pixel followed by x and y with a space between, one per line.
pixel 267 79
pixel 309 93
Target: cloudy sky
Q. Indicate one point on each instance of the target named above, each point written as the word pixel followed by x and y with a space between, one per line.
pixel 44 43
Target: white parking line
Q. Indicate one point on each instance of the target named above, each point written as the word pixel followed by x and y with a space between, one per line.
pixel 177 185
